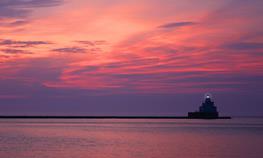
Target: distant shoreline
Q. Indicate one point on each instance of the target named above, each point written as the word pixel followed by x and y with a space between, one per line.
pixel 106 117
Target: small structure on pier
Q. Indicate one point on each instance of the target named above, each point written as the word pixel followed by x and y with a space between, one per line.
pixel 207 110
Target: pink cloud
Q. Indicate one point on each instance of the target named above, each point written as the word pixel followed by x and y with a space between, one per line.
pixel 126 47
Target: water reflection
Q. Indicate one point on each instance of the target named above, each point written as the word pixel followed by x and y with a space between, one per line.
pixel 131 138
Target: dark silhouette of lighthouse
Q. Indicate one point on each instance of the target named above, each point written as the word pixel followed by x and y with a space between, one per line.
pixel 207 110
pixel 208 106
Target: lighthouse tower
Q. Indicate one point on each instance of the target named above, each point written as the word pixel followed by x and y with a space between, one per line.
pixel 208 106
pixel 207 110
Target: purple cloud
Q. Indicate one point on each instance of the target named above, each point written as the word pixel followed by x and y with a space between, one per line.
pixel 70 50
pixel 15 23
pixel 176 25
pixel 13 43
pixel 245 46
pixel 92 43
pixel 15 51
pixel 21 8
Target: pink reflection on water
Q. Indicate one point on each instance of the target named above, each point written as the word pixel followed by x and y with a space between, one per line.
pixel 129 139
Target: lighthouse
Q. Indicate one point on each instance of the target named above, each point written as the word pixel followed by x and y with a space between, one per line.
pixel 207 110
pixel 208 106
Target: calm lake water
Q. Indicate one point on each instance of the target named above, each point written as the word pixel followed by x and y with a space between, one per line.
pixel 83 138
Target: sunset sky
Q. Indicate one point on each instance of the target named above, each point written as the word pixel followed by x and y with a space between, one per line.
pixel 130 57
